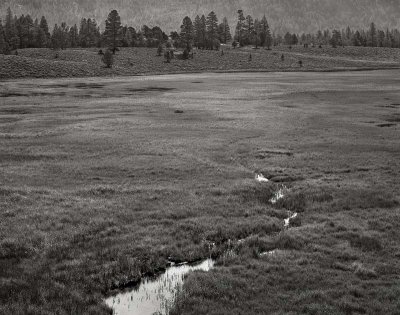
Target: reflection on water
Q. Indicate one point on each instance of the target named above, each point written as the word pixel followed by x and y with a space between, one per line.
pixel 291 217
pixel 155 296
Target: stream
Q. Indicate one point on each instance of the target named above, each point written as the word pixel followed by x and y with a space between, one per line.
pixel 156 295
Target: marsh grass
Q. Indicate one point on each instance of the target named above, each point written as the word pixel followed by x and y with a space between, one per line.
pixel 97 192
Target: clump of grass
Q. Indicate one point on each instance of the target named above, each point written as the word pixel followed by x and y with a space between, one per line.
pixel 250 192
pixel 101 190
pixel 363 272
pixel 366 242
pixel 350 307
pixel 14 249
pixel 365 199
pixel 287 241
pixel 296 202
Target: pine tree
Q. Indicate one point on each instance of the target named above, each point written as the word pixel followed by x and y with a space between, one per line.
pixel 240 27
pixel 197 31
pixel 336 39
pixel 10 31
pixel 186 34
pixel 224 31
pixel 112 32
pixel 212 30
pixel 56 40
pixel 288 39
pixel 203 31
pixel 266 37
pixel 4 48
pixel 372 39
pixel 44 34
pixel 74 36
pixel 249 30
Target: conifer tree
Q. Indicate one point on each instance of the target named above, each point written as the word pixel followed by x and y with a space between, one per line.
pixel 265 36
pixel 10 31
pixel 224 31
pixel 203 30
pixel 4 48
pixel 249 30
pixel 186 34
pixel 240 27
pixel 197 31
pixel 112 32
pixel 212 30
pixel 372 38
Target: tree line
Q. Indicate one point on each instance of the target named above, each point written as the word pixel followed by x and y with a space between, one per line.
pixel 205 32
pixel 372 37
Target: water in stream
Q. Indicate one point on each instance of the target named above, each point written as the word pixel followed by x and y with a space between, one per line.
pixel 155 296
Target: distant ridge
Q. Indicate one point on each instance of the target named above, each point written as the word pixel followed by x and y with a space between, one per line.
pixel 283 15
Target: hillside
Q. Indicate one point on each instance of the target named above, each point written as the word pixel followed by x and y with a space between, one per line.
pixel 41 63
pixel 283 15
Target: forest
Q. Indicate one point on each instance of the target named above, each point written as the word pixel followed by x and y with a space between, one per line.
pixel 203 32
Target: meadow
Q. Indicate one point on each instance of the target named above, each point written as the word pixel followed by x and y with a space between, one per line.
pixel 106 180
pixel 48 63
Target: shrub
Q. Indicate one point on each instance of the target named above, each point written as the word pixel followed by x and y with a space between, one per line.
pixel 160 50
pixel 108 59
pixel 185 54
pixel 168 56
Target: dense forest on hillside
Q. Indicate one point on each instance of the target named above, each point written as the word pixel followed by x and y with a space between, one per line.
pixel 284 15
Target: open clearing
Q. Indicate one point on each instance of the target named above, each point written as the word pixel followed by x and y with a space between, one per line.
pixel 104 180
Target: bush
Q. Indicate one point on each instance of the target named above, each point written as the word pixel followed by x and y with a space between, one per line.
pixel 160 50
pixel 168 56
pixel 185 54
pixel 108 58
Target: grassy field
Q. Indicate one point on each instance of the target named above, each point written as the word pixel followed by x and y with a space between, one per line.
pixel 103 180
pixel 42 63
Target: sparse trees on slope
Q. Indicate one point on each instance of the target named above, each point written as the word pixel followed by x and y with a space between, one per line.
pixel 112 32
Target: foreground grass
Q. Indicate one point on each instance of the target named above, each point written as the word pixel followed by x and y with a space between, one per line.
pixel 105 180
pixel 46 63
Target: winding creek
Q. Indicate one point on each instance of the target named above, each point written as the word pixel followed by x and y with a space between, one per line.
pixel 156 295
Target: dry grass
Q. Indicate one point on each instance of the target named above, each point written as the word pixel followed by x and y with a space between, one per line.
pixel 43 63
